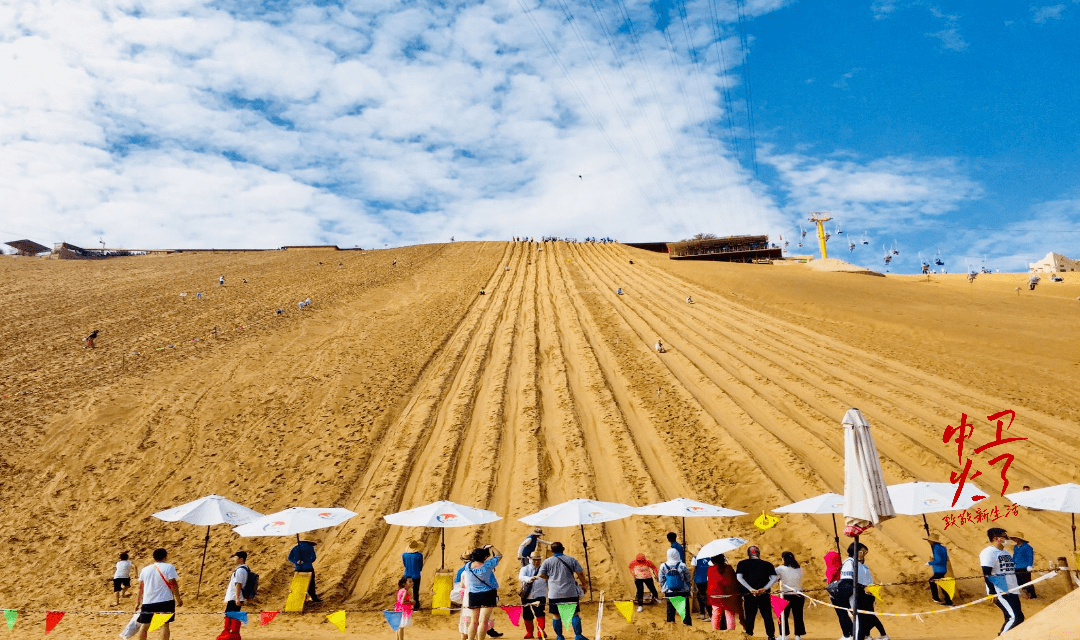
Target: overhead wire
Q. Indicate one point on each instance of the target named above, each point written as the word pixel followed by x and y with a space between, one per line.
pixel 748 85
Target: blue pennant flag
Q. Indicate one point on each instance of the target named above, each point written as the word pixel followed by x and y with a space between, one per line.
pixel 237 615
pixel 393 618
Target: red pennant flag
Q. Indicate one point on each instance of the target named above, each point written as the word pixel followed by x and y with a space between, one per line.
pixel 514 613
pixel 778 606
pixel 52 618
pixel 266 616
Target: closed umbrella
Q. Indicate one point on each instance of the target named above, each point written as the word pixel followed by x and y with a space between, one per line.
pixel 443 514
pixel 921 498
pixel 830 503
pixel 578 513
pixel 208 511
pixel 866 499
pixel 1061 497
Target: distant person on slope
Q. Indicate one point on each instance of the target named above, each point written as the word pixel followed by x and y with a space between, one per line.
pixel 527 546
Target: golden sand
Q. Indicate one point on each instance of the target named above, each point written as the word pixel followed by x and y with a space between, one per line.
pixel 400 386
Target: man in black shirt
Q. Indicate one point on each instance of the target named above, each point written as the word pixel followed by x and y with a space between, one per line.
pixel 756 577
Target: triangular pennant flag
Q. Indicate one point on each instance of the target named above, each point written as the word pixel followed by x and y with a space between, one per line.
pixel 266 616
pixel 52 618
pixel 999 582
pixel 626 608
pixel 514 613
pixel 778 605
pixel 237 615
pixel 11 615
pixel 393 618
pixel 949 585
pixel 159 620
pixel 679 602
pixel 875 590
pixel 337 618
pixel 567 610
pixel 765 521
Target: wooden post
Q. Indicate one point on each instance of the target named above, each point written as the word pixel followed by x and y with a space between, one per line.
pixel 1068 576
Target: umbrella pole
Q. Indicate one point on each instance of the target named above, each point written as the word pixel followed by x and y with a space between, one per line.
pixel 588 568
pixel 206 543
pixel 925 526
pixel 1074 533
pixel 693 585
pixel 855 592
pixel 836 536
pixel 443 563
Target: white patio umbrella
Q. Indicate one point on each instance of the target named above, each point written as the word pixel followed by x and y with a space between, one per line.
pixel 921 498
pixel 443 514
pixel 208 511
pixel 830 503
pixel 578 513
pixel 866 500
pixel 294 521
pixel 720 545
pixel 1061 497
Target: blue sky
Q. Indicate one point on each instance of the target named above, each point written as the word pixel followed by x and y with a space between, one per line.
pixel 940 126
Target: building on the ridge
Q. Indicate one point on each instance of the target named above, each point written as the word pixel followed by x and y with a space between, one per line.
pixel 27 247
pixel 728 249
pixel 1054 263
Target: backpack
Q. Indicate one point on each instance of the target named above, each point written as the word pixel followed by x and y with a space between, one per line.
pixel 251 585
pixel 673 580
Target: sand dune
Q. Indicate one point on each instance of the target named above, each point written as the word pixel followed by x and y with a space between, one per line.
pixel 401 385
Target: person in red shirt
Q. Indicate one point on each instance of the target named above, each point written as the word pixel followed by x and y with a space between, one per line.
pixel 643 572
pixel 724 594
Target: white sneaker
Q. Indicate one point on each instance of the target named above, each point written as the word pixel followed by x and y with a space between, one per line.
pixel 883 637
pixel 639 608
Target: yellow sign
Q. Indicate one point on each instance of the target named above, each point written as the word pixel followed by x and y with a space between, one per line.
pixel 765 521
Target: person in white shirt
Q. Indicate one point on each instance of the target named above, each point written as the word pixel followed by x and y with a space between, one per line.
pixel 159 592
pixel 532 603
pixel 1000 576
pixel 790 585
pixel 122 578
pixel 234 596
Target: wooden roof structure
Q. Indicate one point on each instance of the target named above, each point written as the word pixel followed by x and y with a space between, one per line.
pixel 27 247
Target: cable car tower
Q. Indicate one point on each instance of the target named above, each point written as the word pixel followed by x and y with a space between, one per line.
pixel 820 218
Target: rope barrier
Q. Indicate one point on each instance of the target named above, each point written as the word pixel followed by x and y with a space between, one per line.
pixel 933 611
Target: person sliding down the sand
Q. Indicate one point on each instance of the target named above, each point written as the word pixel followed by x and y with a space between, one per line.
pixel 689 300
pixel 659 346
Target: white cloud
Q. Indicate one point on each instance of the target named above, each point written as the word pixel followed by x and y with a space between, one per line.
pixel 950 39
pixel 1040 15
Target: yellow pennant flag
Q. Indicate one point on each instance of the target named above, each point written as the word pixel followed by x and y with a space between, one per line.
pixel 765 521
pixel 159 620
pixel 338 619
pixel 626 609
pixel 949 585
pixel 875 590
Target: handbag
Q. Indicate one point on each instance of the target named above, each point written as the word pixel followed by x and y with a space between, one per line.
pixel 525 590
pixel 131 629
pixel 840 589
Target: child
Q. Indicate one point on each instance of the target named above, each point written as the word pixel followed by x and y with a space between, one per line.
pixel 404 605
pixel 122 578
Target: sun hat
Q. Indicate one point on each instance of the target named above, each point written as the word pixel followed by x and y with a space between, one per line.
pixel 535 555
pixel 1018 535
pixel 414 546
pixel 932 537
pixel 538 531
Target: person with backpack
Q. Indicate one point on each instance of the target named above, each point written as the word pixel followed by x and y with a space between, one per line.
pixel 560 571
pixel 235 596
pixel 757 576
pixel 675 581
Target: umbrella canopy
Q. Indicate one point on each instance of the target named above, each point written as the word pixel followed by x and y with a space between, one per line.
pixel 208 511
pixel 577 512
pixel 830 503
pixel 866 499
pixel 442 514
pixel 921 498
pixel 1061 497
pixel 720 545
pixel 686 508
pixel 825 503
pixel 294 521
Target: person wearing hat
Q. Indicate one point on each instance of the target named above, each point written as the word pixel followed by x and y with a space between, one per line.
pixel 643 572
pixel 533 598
pixel 939 564
pixel 413 560
pixel 1024 560
pixel 526 548
pixel 303 558
pixel 234 596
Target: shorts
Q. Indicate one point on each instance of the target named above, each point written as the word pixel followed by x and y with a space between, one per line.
pixel 146 615
pixel 480 599
pixel 120 583
pixel 553 604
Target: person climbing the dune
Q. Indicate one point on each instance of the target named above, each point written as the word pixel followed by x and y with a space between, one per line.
pixel 659 346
